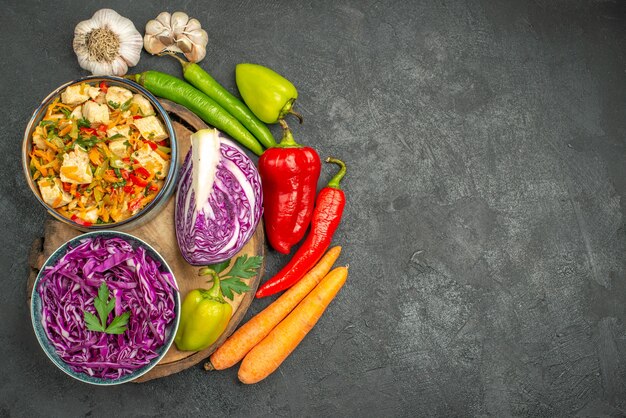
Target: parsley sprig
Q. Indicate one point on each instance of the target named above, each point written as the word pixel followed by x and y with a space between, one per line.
pixel 104 306
pixel 232 281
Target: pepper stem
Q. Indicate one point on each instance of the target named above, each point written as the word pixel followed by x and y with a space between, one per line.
pixel 288 109
pixel 182 62
pixel 287 141
pixel 334 182
pixel 216 290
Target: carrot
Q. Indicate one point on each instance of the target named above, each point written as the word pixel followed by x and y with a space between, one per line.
pixel 269 354
pixel 253 331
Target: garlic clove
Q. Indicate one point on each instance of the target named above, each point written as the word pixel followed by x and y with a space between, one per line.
pixel 192 25
pixel 130 52
pixel 165 19
pixel 166 39
pixel 153 45
pixel 179 21
pixel 154 27
pixel 196 54
pixel 119 66
pixel 184 44
pixel 199 37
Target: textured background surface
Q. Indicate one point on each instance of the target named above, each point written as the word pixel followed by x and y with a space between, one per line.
pixel 485 224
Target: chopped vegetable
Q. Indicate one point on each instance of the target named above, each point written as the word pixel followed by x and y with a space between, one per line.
pixel 252 332
pixel 269 354
pixel 136 281
pixel 218 202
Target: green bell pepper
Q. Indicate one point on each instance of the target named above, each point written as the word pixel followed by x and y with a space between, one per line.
pixel 204 317
pixel 269 95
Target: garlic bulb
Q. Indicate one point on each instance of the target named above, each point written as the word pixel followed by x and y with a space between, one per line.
pixel 107 44
pixel 176 33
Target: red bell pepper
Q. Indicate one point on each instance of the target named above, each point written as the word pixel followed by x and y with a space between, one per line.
pixel 134 204
pixel 289 174
pixel 328 210
pixel 79 221
pixel 142 172
pixel 152 145
pixel 89 131
pixel 138 181
pixel 104 86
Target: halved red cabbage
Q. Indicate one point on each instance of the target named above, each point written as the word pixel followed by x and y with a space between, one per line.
pixel 138 284
pixel 219 201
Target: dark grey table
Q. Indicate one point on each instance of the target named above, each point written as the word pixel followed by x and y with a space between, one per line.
pixel 485 223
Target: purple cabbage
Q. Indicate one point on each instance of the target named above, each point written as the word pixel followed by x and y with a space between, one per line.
pixel 219 201
pixel 138 284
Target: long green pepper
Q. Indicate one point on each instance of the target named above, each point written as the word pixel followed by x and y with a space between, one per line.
pixel 203 81
pixel 177 90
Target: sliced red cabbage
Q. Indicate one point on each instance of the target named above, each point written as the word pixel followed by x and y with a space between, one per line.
pixel 219 201
pixel 138 284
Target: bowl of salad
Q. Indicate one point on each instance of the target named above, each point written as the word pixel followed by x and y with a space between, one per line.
pixel 100 152
pixel 105 307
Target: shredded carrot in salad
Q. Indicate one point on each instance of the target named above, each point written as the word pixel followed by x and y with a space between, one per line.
pixel 99 156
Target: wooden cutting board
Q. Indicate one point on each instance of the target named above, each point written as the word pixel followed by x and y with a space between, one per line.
pixel 159 233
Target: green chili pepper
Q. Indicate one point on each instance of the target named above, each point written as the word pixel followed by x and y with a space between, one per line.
pixel 203 81
pixel 176 90
pixel 268 94
pixel 203 318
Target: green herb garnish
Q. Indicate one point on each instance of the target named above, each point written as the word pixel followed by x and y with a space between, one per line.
pixel 116 136
pixel 84 123
pixel 87 143
pixel 126 104
pixel 104 306
pixel 232 281
pixel 114 105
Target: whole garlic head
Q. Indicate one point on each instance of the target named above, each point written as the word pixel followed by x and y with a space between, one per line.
pixel 176 33
pixel 107 44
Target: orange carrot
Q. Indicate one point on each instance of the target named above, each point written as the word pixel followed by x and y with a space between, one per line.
pixel 252 332
pixel 269 354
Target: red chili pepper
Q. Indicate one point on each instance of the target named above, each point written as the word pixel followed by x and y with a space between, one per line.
pixel 138 181
pixel 162 143
pixel 326 218
pixel 152 145
pixel 125 174
pixel 79 221
pixel 137 117
pixel 289 174
pixel 129 188
pixel 153 187
pixel 104 87
pixel 142 172
pixel 126 160
pixel 103 128
pixel 90 131
pixel 67 187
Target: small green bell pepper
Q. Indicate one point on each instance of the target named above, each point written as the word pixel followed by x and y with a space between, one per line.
pixel 204 317
pixel 269 95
